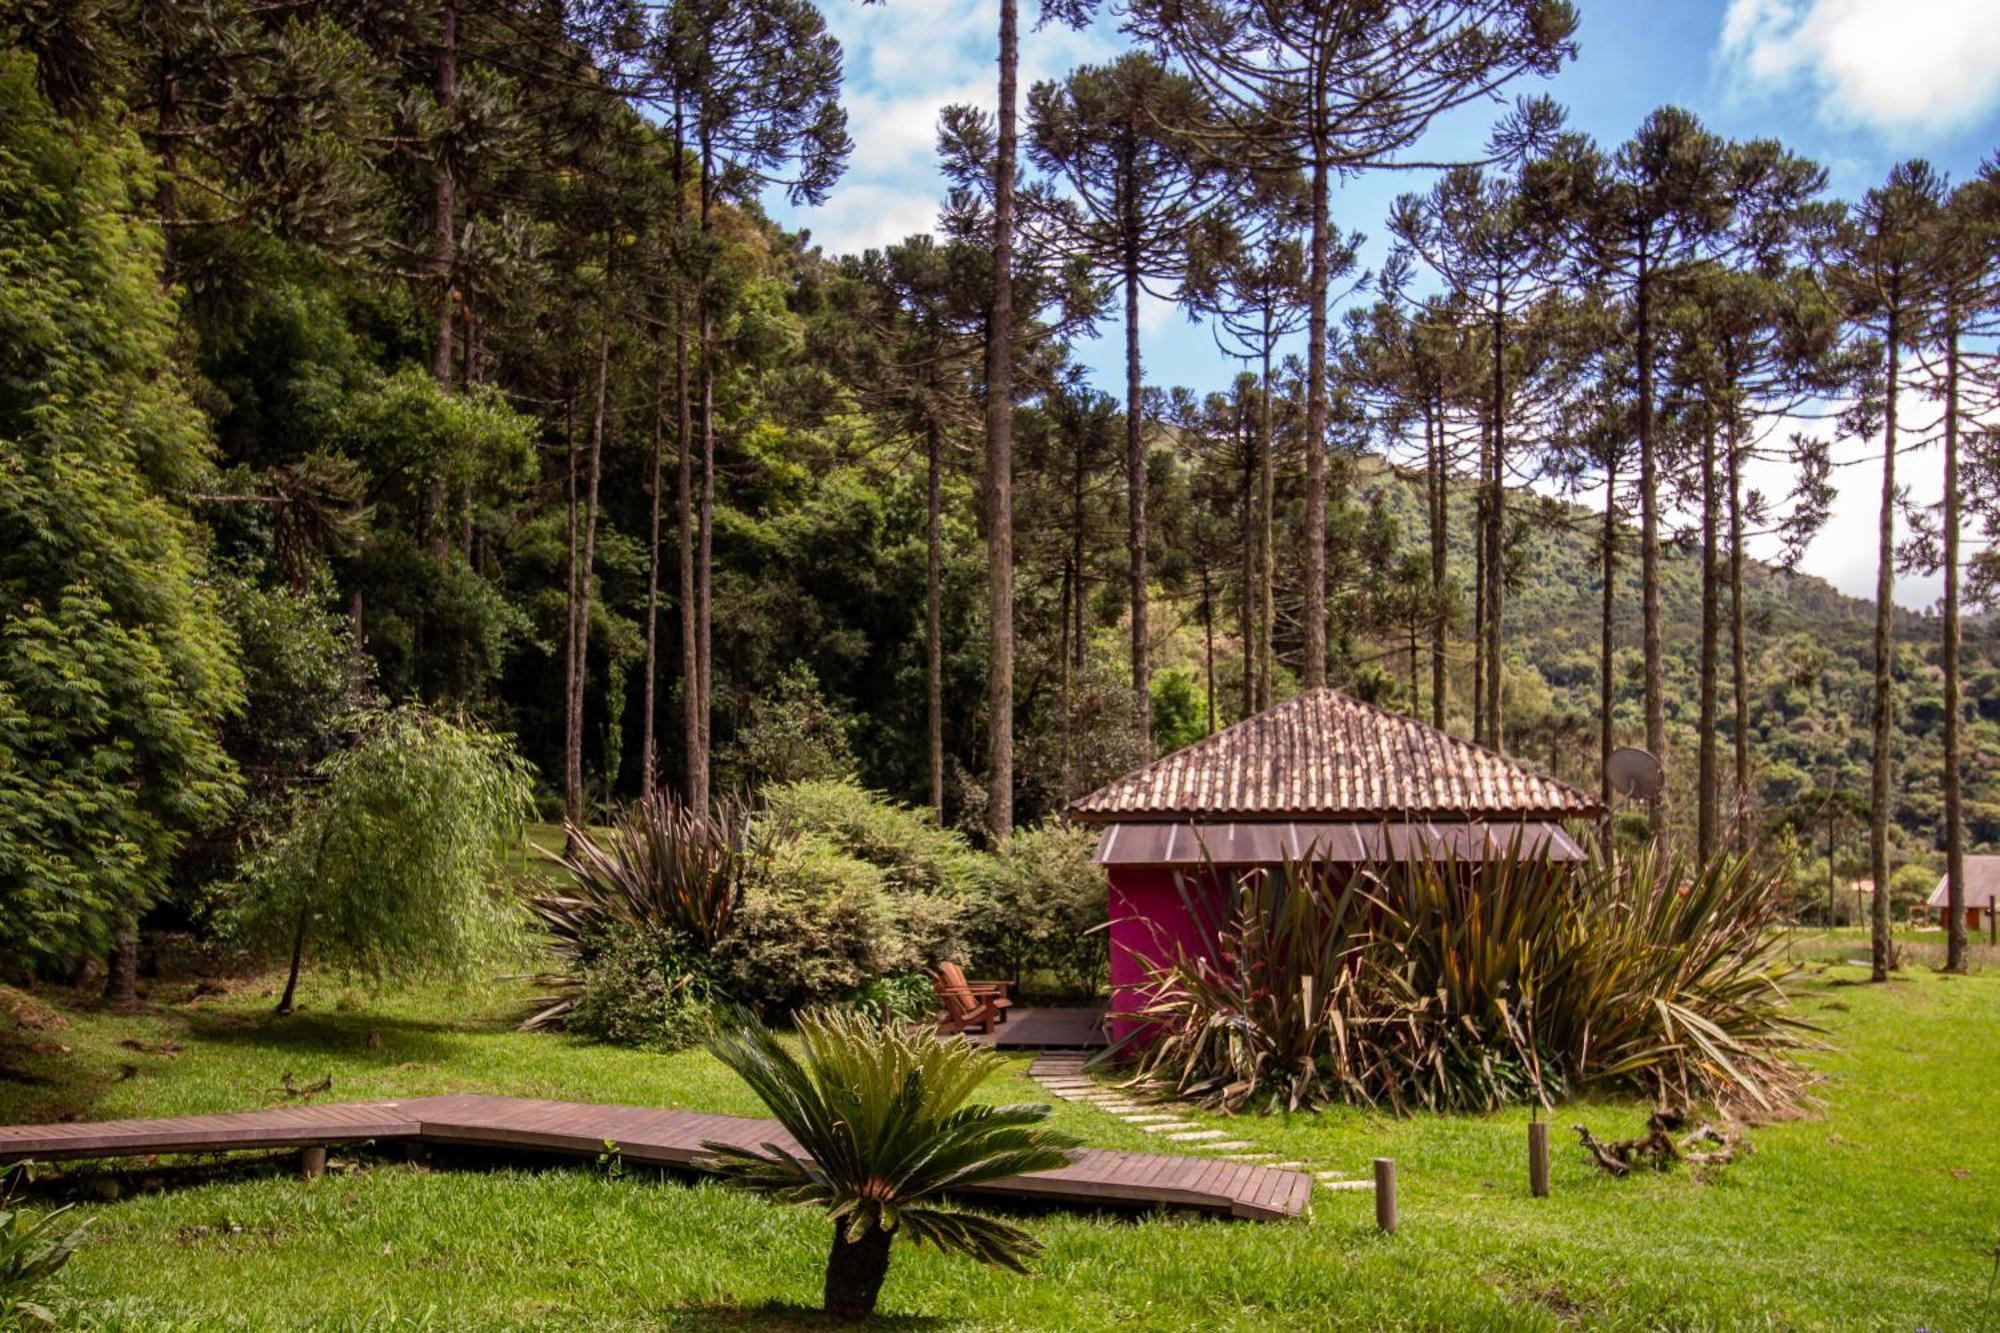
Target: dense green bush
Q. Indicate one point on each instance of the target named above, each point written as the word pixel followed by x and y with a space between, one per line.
pixel 815 924
pixel 935 880
pixel 1047 910
pixel 647 988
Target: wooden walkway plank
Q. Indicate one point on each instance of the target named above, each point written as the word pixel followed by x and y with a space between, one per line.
pixel 654 1135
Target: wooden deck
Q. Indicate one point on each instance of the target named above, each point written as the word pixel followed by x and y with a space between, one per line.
pixel 1047 1029
pixel 1095 1178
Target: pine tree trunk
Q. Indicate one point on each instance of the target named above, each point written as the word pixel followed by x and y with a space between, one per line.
pixel 121 972
pixel 1135 497
pixel 1481 582
pixel 649 758
pixel 1649 542
pixel 1439 518
pixel 855 1269
pixel 1316 414
pixel 694 752
pixel 1208 642
pixel 572 607
pixel 1496 560
pixel 1707 763
pixel 934 610
pixel 1739 649
pixel 1954 796
pixel 1267 497
pixel 1879 946
pixel 704 568
pixel 444 248
pixel 1246 618
pixel 573 792
pixel 1000 451
pixel 1607 643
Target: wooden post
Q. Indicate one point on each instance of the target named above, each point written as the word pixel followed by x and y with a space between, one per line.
pixel 1538 1158
pixel 312 1162
pixel 1992 930
pixel 1385 1194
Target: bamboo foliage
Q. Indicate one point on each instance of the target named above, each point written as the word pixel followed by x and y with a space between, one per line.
pixel 1441 984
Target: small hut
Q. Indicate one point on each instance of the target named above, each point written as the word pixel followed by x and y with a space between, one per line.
pixel 1321 777
pixel 1982 888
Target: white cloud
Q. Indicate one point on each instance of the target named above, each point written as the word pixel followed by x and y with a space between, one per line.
pixel 1903 67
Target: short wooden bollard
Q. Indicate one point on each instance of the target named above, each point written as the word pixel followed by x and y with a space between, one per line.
pixel 1385 1194
pixel 312 1163
pixel 1538 1158
pixel 1992 925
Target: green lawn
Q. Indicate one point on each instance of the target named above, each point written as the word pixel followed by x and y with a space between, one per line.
pixel 1881 1211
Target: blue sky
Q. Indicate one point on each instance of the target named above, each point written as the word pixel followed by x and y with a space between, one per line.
pixel 1855 84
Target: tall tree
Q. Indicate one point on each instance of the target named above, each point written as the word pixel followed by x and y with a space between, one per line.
pixel 1640 220
pixel 752 88
pixel 1329 89
pixel 1885 275
pixel 1497 259
pixel 1121 139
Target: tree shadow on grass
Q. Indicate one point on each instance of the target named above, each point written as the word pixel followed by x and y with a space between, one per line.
pixel 355 1035
pixel 780 1317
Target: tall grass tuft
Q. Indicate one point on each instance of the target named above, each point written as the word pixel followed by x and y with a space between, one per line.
pixel 1443 984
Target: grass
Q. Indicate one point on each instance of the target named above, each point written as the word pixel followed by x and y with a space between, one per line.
pixel 1880 1212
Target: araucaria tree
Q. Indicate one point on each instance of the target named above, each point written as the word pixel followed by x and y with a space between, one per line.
pixel 1887 279
pixel 1333 87
pixel 1123 140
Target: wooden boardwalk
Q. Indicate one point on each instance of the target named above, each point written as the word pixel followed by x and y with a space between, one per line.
pixel 1095 1177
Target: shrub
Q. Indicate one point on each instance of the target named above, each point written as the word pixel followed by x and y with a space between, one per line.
pixel 931 874
pixel 662 872
pixel 909 995
pixel 1444 985
pixel 814 925
pixel 650 988
pixel 1047 908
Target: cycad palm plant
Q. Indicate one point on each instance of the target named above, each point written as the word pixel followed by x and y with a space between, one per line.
pixel 881 1131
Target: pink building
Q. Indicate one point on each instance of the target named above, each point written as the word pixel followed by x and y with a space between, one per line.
pixel 1320 777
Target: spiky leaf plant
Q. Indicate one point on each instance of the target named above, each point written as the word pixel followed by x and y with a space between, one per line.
pixel 1442 984
pixel 881 1131
pixel 664 867
pixel 33 1249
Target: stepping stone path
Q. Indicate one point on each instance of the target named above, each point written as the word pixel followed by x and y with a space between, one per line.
pixel 1141 1107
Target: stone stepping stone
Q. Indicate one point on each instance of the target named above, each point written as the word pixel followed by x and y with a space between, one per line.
pixel 1347 1184
pixel 1225 1144
pixel 1168 1126
pixel 1248 1156
pixel 1192 1135
pixel 1329 1175
pixel 1286 1166
pixel 1152 1120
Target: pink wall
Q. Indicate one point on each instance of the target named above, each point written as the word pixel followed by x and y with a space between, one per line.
pixel 1149 921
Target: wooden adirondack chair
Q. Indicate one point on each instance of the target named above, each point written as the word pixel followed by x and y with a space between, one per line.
pixel 967 1009
pixel 999 992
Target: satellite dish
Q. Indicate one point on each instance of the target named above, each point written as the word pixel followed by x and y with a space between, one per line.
pixel 1634 774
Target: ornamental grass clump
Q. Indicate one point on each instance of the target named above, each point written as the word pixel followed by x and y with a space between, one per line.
pixel 665 872
pixel 882 1131
pixel 1440 984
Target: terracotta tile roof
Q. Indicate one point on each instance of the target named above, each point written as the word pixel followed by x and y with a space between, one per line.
pixel 1982 881
pixel 1325 755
